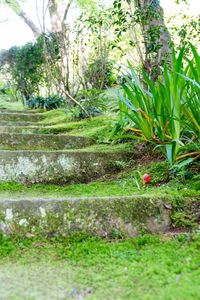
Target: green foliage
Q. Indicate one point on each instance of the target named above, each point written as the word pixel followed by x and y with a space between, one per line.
pixel 3 88
pixel 93 102
pixel 164 112
pixel 47 103
pixel 27 64
pixel 27 69
pixel 100 73
pixel 184 30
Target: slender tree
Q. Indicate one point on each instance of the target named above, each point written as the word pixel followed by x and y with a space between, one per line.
pixel 156 36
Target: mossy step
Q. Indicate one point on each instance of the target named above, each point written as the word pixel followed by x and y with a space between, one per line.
pixel 98 216
pixel 20 129
pixel 18 124
pixel 42 141
pixel 23 111
pixel 21 117
pixel 59 166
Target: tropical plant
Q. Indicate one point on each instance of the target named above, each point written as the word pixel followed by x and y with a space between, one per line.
pixel 92 101
pixel 50 102
pixel 165 113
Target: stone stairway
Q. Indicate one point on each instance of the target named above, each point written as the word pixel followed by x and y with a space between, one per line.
pixel 34 157
pixel 30 157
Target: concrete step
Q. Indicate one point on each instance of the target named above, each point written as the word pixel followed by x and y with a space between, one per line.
pixel 97 216
pixel 21 117
pixel 43 141
pixel 58 166
pixel 25 111
pixel 20 129
pixel 18 124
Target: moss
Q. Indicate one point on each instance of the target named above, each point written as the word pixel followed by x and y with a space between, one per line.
pixel 108 148
pixel 42 142
pixel 186 212
pixel 6 103
pixel 128 182
pixel 148 267
pixel 99 128
pixel 96 216
pixel 183 220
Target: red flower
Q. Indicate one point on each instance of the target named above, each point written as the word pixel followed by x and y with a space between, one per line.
pixel 146 178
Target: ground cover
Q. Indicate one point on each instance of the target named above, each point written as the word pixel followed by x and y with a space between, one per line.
pixel 148 267
pixel 127 182
pixel 6 103
pixel 100 128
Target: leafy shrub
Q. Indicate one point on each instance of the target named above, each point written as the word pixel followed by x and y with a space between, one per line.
pixel 92 101
pixel 27 64
pixel 166 113
pixel 100 73
pixel 50 102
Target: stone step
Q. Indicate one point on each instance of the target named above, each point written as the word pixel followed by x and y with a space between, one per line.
pixel 42 141
pixel 21 117
pixel 18 124
pixel 58 166
pixel 20 129
pixel 130 216
pixel 30 111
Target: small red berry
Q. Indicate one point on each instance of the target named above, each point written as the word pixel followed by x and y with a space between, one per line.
pixel 146 178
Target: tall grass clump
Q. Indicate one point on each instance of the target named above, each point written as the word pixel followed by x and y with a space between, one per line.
pixel 166 112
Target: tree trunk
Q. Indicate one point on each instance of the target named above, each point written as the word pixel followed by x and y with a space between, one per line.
pixel 156 36
pixel 56 22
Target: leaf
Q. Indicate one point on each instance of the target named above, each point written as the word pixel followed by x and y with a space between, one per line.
pixel 184 163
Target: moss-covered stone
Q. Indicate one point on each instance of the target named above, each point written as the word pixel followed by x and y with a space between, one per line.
pixel 19 129
pixel 57 166
pixel 186 212
pixel 21 117
pixel 37 142
pixel 98 216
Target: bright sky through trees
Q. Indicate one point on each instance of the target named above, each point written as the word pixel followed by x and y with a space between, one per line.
pixel 14 32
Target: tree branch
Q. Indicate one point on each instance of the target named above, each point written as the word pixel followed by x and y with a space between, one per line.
pixel 14 5
pixel 66 11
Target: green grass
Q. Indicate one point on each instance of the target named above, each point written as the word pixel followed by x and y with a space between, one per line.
pixel 5 103
pixel 124 184
pixel 143 268
pixel 59 121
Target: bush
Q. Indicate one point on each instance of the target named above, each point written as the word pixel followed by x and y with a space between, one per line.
pixel 100 73
pixel 48 103
pixel 27 64
pixel 92 101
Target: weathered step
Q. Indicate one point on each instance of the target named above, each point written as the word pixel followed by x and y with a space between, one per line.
pixel 98 216
pixel 42 141
pixel 18 111
pixel 17 124
pixel 21 117
pixel 58 166
pixel 20 129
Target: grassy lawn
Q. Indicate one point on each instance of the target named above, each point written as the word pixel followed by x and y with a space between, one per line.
pixel 148 267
